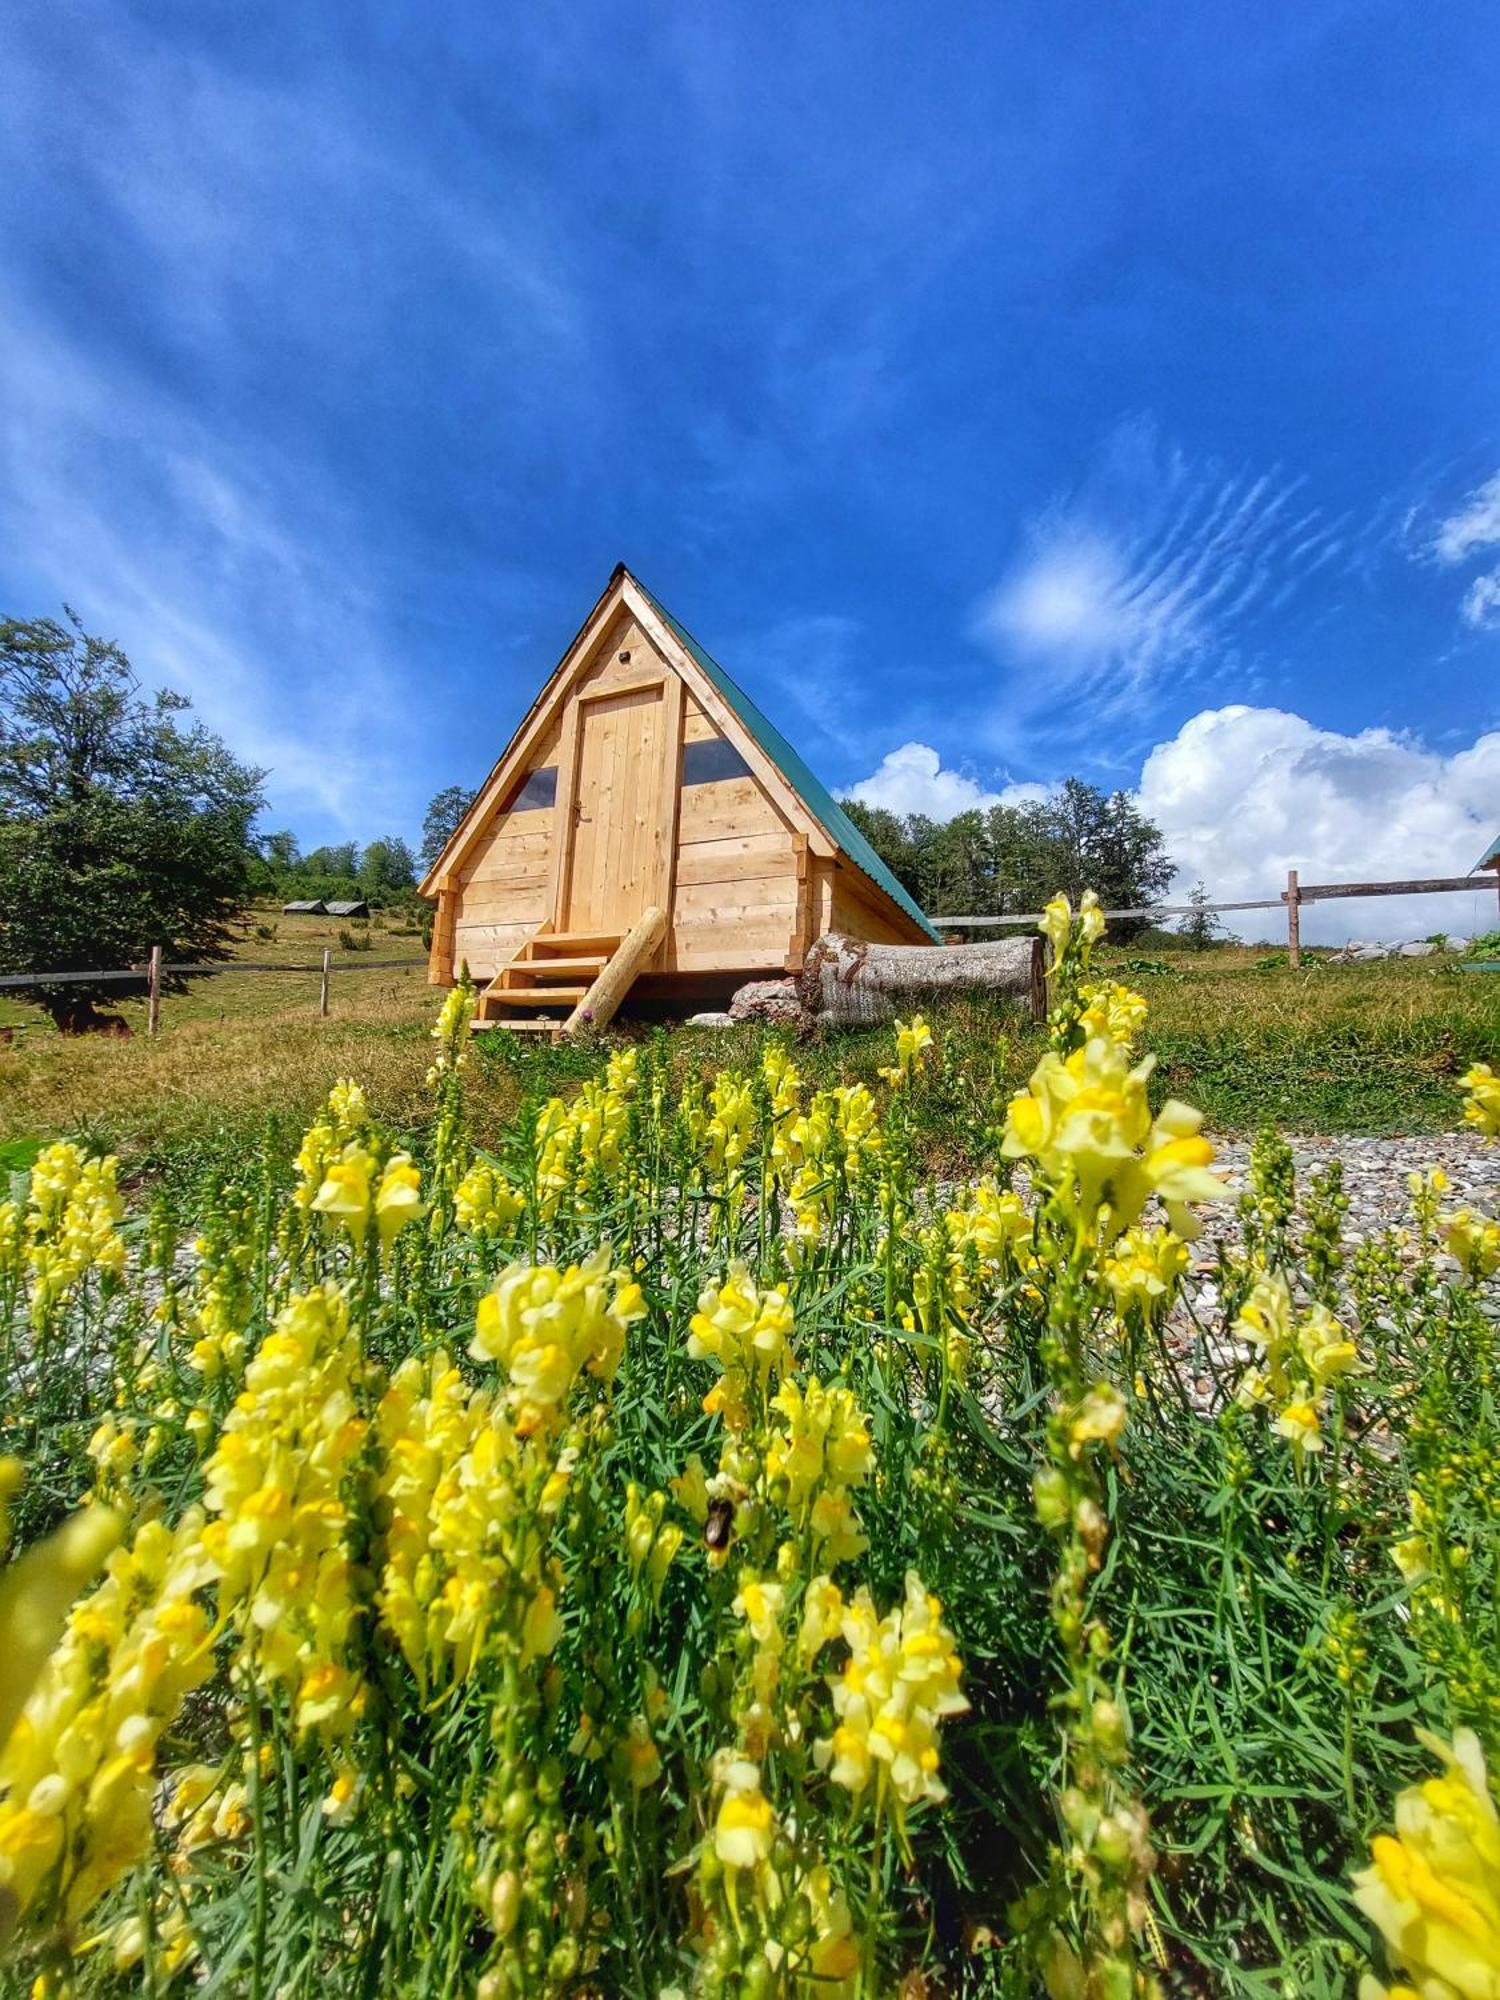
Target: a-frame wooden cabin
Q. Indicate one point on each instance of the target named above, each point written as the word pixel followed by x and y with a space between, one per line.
pixel 647 831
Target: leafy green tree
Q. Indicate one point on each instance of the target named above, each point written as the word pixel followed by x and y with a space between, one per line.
pixel 280 849
pixel 121 827
pixel 442 820
pixel 387 865
pixel 340 862
pixel 1012 858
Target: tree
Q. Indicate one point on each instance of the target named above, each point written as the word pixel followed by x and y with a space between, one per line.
pixel 442 820
pixel 341 862
pixel 1013 858
pixel 120 826
pixel 1200 927
pixel 386 865
pixel 280 849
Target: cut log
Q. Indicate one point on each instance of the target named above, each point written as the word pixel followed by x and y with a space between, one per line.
pixel 848 983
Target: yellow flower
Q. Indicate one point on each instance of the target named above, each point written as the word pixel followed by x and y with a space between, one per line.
pixel 398 1199
pixel 1144 1270
pixel 1098 1419
pixel 1326 1349
pixel 913 1040
pixel 746 1824
pixel 1113 1011
pixel 485 1200
pixel 745 1332
pixel 1482 1104
pixel 1474 1241
pixel 345 1193
pixel 35 1593
pixel 900 1682
pixel 77 1772
pixel 731 1124
pixel 1056 926
pixel 1085 1120
pixel 1299 1425
pixel 1433 1890
pixel 545 1327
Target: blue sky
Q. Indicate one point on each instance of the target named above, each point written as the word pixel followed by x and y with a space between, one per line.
pixel 1000 393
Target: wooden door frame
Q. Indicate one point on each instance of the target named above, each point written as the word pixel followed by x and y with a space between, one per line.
pixel 570 752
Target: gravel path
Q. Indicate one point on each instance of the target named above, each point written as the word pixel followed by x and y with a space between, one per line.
pixel 1375 1172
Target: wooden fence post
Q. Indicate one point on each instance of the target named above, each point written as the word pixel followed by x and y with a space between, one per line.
pixel 323 995
pixel 1293 921
pixel 153 991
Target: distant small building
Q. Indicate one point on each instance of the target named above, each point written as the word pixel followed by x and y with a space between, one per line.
pixel 313 909
pixel 359 908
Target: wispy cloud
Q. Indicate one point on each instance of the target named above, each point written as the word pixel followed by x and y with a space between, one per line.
pixel 1473 524
pixel 1151 564
pixel 165 461
pixel 1471 528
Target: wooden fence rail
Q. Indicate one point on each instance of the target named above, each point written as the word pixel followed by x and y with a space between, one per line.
pixel 150 976
pixel 1292 897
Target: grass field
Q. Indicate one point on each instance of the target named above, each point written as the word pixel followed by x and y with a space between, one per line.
pixel 1354 1048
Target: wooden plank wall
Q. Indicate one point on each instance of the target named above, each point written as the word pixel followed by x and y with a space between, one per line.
pixel 736 900
pixel 503 884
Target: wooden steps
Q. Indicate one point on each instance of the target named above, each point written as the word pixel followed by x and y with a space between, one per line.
pixel 558 981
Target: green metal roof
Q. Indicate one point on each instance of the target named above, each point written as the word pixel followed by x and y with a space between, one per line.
pixel 815 795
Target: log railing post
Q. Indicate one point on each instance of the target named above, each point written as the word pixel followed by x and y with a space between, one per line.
pixel 153 992
pixel 323 994
pixel 1293 921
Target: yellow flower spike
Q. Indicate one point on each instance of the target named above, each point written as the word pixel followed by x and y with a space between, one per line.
pixel 1482 1102
pixel 1474 1241
pixel 546 1327
pixel 1056 926
pixel 1144 1270
pixel 900 1682
pixel 35 1593
pixel 1433 1890
pixel 913 1041
pixel 1113 1011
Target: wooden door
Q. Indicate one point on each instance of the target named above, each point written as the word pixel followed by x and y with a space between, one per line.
pixel 613 866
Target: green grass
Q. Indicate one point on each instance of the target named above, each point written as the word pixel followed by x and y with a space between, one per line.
pixel 1356 1049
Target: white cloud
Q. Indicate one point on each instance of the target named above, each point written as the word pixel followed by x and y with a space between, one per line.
pixel 1474 524
pixel 1243 794
pixel 914 780
pixel 1482 600
pixel 1152 563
